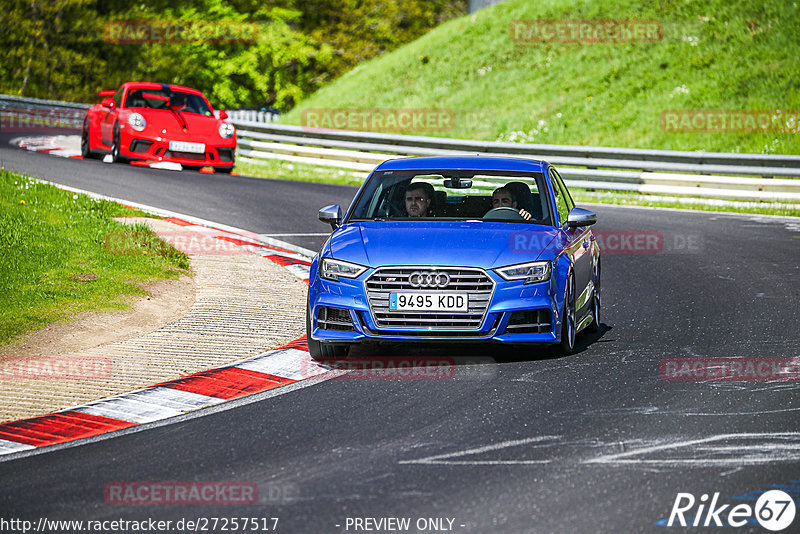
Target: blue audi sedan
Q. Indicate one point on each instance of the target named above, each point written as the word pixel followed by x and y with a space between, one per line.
pixel 453 249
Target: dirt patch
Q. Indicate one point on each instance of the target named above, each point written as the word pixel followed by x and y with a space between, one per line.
pixel 168 301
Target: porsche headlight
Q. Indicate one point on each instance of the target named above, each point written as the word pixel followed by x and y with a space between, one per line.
pixel 533 272
pixel 137 122
pixel 226 130
pixel 331 269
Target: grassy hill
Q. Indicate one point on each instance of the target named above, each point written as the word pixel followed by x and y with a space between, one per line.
pixel 714 55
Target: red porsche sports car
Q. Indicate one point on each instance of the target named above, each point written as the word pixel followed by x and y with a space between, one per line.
pixel 159 123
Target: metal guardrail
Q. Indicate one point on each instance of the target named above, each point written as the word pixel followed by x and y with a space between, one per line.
pixel 21 114
pixel 405 144
pixel 678 173
pixel 252 115
pixel 605 168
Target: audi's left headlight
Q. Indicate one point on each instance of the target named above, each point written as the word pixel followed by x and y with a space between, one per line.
pixel 226 130
pixel 533 272
pixel 137 122
pixel 331 269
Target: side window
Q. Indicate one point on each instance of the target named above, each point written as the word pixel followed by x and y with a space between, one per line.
pixel 560 197
pixel 564 191
pixel 118 97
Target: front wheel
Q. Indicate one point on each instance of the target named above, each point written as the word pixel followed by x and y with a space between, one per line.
pixel 568 325
pixel 594 326
pixel 115 156
pixel 320 350
pixel 86 148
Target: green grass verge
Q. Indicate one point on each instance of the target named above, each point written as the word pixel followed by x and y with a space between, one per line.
pixel 55 259
pixel 636 199
pixel 284 170
pixel 714 55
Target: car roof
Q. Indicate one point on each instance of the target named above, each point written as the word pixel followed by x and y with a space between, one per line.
pixel 489 163
pixel 154 85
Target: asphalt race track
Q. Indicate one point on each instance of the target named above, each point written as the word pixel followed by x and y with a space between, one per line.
pixel 601 441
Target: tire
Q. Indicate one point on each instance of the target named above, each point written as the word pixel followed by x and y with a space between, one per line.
pixel 223 170
pixel 594 326
pixel 568 320
pixel 86 150
pixel 323 351
pixel 115 143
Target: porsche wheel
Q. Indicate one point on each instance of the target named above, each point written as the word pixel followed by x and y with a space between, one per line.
pixel 86 149
pixel 568 325
pixel 115 143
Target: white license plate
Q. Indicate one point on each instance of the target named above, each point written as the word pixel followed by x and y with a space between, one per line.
pixel 182 146
pixel 451 302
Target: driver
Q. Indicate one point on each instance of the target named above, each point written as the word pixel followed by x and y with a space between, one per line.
pixel 504 198
pixel 418 199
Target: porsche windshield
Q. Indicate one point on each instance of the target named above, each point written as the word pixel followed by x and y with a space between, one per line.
pixel 454 195
pixel 161 99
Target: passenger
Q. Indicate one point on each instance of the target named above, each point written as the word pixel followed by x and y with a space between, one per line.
pixel 418 199
pixel 504 197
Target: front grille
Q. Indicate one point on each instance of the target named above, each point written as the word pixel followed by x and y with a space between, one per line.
pixel 529 322
pixel 474 283
pixel 184 155
pixel 428 334
pixel 140 145
pixel 225 154
pixel 334 319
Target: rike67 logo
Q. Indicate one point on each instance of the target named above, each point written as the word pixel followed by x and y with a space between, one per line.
pixel 774 510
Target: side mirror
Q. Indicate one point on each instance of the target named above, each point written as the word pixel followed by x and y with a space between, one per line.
pixel 580 217
pixel 108 103
pixel 331 215
pixel 106 93
pixel 223 114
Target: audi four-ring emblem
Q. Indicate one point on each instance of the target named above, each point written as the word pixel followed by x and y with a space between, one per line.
pixel 428 279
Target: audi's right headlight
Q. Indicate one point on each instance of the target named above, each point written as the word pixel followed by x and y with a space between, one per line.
pixel 331 269
pixel 533 272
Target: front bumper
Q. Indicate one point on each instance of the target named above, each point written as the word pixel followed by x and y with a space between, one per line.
pixel 219 154
pixel 506 319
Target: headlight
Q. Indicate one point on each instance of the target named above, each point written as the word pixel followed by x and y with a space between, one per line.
pixel 331 269
pixel 137 122
pixel 536 271
pixel 226 130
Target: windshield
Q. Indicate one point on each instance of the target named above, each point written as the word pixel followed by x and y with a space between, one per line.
pixel 161 99
pixel 454 195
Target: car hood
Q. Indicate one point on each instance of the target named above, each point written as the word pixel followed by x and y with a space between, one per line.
pixel 474 243
pixel 195 123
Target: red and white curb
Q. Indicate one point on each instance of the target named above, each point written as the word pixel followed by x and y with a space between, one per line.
pixel 273 369
pixel 293 258
pixel 48 145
